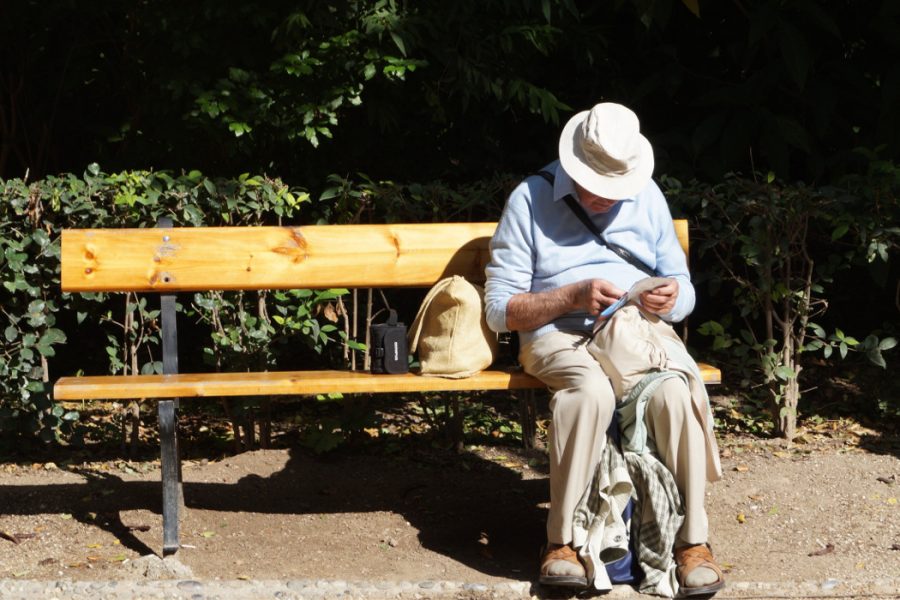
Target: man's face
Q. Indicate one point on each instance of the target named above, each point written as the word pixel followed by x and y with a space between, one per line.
pixel 592 202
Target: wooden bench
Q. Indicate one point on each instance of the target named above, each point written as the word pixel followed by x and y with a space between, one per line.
pixel 169 260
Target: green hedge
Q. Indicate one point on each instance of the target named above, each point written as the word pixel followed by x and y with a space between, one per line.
pixel 766 256
pixel 39 320
pixel 45 334
pixel 775 260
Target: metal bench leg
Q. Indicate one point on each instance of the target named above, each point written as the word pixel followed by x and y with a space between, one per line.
pixel 171 480
pixel 170 460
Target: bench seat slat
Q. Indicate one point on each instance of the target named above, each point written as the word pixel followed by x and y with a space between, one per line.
pixel 193 385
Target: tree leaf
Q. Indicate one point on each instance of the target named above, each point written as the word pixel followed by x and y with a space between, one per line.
pixel 793 133
pixel 875 357
pixel 794 52
pixel 398 41
pixel 784 372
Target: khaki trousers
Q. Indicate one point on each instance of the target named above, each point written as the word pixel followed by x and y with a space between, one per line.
pixel 582 406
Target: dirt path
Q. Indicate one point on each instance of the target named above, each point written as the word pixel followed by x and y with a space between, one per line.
pixel 817 512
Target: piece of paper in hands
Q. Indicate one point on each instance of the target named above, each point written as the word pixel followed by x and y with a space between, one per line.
pixel 644 285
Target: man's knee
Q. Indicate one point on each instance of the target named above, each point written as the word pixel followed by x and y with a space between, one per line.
pixel 673 397
pixel 591 399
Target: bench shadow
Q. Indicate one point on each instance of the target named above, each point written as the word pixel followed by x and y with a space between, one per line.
pixel 97 502
pixel 475 511
pixel 472 510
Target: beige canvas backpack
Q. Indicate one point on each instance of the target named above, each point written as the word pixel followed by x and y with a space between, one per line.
pixel 450 332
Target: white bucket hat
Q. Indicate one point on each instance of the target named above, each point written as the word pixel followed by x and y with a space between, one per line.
pixel 603 150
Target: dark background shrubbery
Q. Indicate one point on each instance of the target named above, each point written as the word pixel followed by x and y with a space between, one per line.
pixel 112 114
pixel 414 91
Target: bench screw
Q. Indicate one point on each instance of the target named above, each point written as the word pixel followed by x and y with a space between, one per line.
pixel 165 238
pixel 88 271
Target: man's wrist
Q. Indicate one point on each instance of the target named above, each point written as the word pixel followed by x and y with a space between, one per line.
pixel 570 297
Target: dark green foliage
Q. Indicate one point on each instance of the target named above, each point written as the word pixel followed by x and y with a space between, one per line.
pixel 38 321
pixel 394 110
pixel 454 90
pixel 45 334
pixel 790 87
pixel 770 255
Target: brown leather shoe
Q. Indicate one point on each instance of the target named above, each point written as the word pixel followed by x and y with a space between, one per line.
pixel 694 583
pixel 560 566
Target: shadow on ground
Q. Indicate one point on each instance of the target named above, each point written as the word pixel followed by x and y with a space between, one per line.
pixel 471 509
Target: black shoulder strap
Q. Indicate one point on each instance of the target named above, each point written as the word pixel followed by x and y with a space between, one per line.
pixel 547 175
pixel 576 208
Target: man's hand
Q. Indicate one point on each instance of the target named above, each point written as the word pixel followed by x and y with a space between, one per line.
pixel 593 295
pixel 528 311
pixel 661 301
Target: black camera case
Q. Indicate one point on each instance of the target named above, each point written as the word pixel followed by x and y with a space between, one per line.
pixel 388 350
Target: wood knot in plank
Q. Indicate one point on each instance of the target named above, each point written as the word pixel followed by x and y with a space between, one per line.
pixel 295 246
pixel 398 247
pixel 90 259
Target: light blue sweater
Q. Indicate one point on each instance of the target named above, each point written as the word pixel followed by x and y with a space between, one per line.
pixel 541 245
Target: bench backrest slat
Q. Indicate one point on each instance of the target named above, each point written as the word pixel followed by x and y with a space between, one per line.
pixel 251 258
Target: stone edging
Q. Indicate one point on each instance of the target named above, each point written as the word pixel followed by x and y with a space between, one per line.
pixel 322 589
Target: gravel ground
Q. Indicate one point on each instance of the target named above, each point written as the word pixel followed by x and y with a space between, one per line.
pixel 812 520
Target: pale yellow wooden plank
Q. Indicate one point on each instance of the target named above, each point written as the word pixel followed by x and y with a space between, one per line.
pixel 188 385
pixel 230 258
pixel 277 383
pixel 710 374
pixel 681 230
